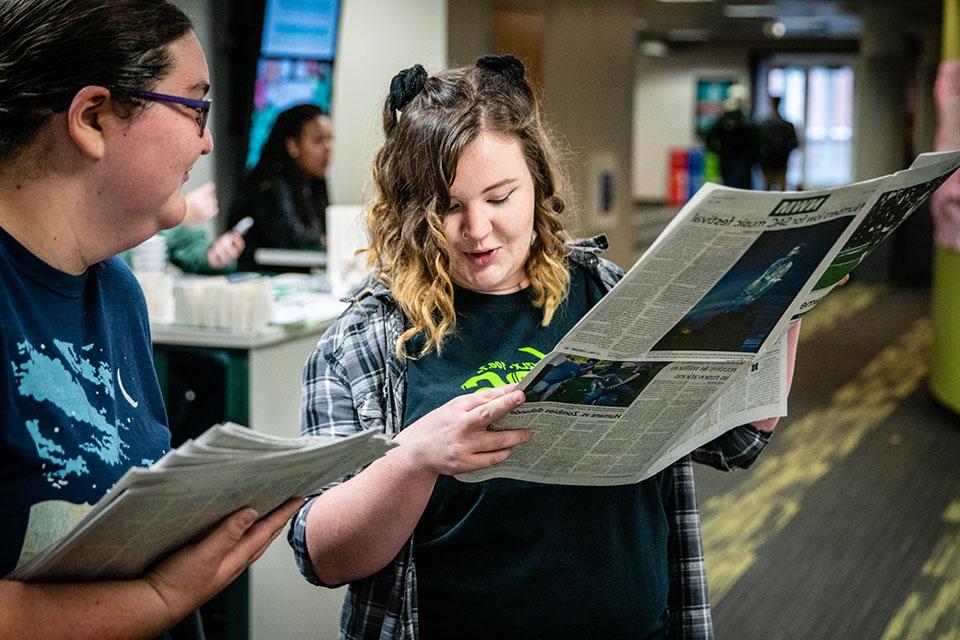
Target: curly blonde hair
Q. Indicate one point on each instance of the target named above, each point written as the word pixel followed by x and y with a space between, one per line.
pixel 413 172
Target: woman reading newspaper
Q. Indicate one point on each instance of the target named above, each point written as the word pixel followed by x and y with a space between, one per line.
pixel 101 118
pixel 474 279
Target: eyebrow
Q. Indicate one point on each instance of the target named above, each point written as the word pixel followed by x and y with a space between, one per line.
pixel 497 185
pixel 204 87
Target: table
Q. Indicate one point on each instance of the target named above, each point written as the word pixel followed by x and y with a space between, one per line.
pixel 271 600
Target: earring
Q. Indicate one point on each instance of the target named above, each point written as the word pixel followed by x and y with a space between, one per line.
pixel 463 234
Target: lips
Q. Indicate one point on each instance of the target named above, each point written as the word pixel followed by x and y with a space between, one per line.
pixel 481 257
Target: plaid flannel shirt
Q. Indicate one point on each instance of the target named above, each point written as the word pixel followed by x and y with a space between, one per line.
pixel 353 381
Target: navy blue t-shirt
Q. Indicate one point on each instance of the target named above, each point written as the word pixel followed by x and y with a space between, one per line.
pixel 504 558
pixel 79 396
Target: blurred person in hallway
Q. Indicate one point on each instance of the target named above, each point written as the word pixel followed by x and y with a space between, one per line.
pixel 778 137
pixel 190 247
pixel 734 138
pixel 286 192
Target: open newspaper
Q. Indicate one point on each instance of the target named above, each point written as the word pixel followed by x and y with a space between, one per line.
pixel 691 342
pixel 153 511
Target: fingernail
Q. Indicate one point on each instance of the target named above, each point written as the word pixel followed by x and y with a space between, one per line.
pixel 247 517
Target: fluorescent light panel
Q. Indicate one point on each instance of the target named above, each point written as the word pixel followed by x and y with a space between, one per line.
pixel 750 11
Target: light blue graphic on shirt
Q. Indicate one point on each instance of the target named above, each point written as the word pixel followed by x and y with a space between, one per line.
pixel 99 375
pixel 47 378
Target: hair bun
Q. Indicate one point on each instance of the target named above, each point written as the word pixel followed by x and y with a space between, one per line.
pixel 406 85
pixel 509 66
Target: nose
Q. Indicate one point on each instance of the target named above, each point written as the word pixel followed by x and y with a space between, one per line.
pixel 477 222
pixel 207 142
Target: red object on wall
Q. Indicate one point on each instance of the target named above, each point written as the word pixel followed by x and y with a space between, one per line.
pixel 678 178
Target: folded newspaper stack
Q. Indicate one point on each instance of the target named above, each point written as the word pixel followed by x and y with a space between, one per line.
pixel 690 343
pixel 153 511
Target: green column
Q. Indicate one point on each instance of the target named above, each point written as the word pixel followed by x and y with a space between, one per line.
pixel 945 292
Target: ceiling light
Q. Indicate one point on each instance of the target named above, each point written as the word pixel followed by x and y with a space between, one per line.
pixel 750 11
pixel 653 48
pixel 774 29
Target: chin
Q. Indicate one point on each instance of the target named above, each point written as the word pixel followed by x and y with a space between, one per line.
pixel 173 214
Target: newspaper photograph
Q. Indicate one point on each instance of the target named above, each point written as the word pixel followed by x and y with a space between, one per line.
pixel 692 341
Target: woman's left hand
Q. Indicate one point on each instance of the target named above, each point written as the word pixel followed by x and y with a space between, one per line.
pixel 793 336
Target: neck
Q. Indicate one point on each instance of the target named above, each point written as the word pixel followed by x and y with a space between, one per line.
pixel 44 215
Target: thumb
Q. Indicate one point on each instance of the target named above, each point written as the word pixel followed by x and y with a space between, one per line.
pixel 232 530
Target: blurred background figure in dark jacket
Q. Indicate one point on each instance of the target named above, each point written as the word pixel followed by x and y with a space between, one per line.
pixel 778 137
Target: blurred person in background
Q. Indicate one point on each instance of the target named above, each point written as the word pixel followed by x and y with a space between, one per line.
pixel 733 137
pixel 778 137
pixel 286 192
pixel 190 247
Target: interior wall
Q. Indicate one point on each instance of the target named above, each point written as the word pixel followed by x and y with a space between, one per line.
pixel 587 83
pixel 377 39
pixel 664 95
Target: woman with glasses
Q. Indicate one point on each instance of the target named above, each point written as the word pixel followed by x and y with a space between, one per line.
pixel 286 192
pixel 102 116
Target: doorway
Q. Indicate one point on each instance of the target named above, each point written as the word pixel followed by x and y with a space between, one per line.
pixel 817 97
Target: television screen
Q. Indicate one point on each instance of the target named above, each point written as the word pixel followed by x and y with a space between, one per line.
pixel 282 83
pixel 300 29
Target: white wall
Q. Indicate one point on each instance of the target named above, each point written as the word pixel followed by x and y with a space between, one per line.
pixel 377 39
pixel 664 105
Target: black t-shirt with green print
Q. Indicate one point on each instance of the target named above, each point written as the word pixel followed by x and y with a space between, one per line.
pixel 506 558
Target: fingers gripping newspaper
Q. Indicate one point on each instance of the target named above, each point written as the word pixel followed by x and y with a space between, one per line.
pixel 691 342
pixel 153 511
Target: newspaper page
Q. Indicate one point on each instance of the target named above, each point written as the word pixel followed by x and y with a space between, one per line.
pixel 153 511
pixel 691 342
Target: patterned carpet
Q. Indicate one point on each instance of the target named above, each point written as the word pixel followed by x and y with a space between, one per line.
pixel 848 526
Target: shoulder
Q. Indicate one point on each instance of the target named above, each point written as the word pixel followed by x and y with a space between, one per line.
pixel 119 288
pixel 115 271
pixel 586 253
pixel 361 336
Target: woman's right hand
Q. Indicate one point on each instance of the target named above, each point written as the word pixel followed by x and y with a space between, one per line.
pixel 453 438
pixel 196 573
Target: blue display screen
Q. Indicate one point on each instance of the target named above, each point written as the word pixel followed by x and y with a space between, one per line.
pixel 295 65
pixel 300 29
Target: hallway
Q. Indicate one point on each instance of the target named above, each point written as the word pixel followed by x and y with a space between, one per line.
pixel 848 526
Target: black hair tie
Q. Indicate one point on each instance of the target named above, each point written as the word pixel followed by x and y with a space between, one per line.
pixel 406 85
pixel 508 66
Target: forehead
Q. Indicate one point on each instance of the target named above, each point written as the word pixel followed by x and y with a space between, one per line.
pixel 490 156
pixel 189 74
pixel 317 125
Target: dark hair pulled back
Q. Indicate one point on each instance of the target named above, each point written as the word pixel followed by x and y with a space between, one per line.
pixel 50 49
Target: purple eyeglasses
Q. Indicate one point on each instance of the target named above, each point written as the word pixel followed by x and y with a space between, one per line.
pixel 202 107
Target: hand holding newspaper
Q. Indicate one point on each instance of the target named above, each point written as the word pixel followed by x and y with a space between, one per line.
pixel 153 511
pixel 690 343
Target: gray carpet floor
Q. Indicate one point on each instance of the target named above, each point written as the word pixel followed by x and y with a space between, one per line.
pixel 848 526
